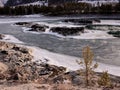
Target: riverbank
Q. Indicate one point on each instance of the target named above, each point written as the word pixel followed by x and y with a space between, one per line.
pixel 62 65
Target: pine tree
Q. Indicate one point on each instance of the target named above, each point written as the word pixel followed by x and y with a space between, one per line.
pixel 88 66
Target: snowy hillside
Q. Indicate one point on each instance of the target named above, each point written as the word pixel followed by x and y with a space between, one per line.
pixel 99 2
pixel 45 2
pixel 25 2
pixel 41 3
pixel 3 2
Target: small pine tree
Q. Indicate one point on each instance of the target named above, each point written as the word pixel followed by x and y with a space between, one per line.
pixel 89 67
pixel 104 80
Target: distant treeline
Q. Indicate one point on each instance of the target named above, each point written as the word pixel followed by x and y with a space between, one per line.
pixel 64 9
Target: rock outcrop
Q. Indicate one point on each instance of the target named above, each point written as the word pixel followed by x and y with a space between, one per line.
pixel 38 28
pixel 68 30
pixel 114 33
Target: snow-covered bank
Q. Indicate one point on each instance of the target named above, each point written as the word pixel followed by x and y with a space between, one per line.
pixel 41 55
pixel 69 61
pixel 108 22
pixel 12 39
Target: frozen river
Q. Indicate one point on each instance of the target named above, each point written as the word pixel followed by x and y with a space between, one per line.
pixel 105 50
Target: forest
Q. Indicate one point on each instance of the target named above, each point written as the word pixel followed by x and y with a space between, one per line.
pixel 62 9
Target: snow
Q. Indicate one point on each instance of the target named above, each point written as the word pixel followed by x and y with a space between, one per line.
pixel 108 22
pixel 1 4
pixel 69 61
pixel 41 3
pixel 99 2
pixel 55 59
pixel 4 1
pixel 41 55
pixel 32 16
pixel 12 39
pixel 59 24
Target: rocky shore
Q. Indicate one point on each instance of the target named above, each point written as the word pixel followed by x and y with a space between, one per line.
pixel 18 71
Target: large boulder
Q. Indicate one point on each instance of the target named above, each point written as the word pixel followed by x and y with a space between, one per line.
pixel 38 28
pixel 67 30
pixel 115 33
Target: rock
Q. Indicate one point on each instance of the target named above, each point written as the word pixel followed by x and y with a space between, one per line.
pixel 77 80
pixel 51 70
pixel 38 28
pixel 3 67
pixel 115 33
pixel 22 49
pixel 5 45
pixel 14 55
pixel 23 23
pixel 67 30
pixel 58 79
pixel 81 21
pixel 1 36
pixel 4 52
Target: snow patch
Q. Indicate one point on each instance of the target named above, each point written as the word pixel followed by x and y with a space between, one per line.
pixel 12 39
pixel 109 22
pixel 69 61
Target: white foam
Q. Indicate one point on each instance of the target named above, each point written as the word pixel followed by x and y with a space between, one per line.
pixel 89 34
pixel 93 34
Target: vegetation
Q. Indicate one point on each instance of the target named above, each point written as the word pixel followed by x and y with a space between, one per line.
pixel 89 67
pixel 104 80
pixel 62 9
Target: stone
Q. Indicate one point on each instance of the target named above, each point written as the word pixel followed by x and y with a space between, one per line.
pixel 22 23
pixel 114 33
pixel 38 28
pixel 3 67
pixel 4 52
pixel 1 36
pixel 67 30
